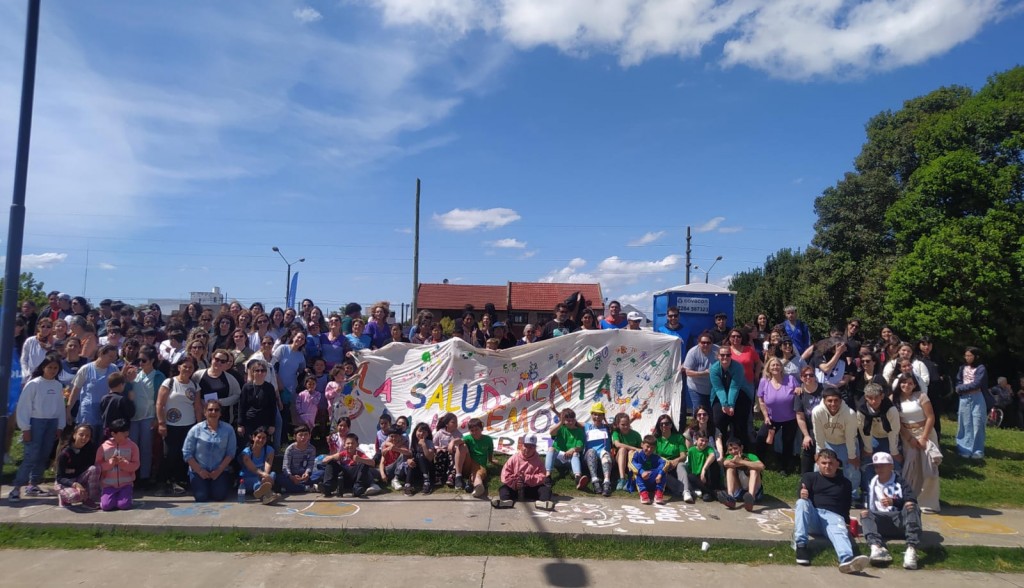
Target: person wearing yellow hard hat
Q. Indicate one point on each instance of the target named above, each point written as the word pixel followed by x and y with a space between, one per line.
pixel 598 454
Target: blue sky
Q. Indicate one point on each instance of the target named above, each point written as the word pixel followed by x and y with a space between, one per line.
pixel 571 140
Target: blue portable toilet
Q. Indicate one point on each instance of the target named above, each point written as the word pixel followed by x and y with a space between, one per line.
pixel 697 303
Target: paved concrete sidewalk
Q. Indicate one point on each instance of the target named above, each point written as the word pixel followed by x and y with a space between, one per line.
pixel 174 570
pixel 458 512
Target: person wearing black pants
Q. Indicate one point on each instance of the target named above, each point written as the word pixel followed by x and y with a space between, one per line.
pixel 731 402
pixel 349 468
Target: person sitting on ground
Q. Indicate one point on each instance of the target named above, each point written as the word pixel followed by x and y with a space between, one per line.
pixel 701 471
pixel 625 442
pixel 299 460
pixel 78 478
pixel 891 510
pixel 598 455
pixel 416 470
pixel 649 469
pixel 523 478
pixel 672 448
pixel 392 452
pixel 480 454
pixel 742 477
pixel 348 469
pixel 257 461
pixel 449 452
pixel 567 442
pixel 118 460
pixel 824 507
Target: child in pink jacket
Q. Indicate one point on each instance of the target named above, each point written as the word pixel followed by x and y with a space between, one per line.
pixel 524 478
pixel 118 460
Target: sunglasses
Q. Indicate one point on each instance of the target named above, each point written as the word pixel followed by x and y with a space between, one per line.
pixel 724 355
pixel 259 371
pixel 221 360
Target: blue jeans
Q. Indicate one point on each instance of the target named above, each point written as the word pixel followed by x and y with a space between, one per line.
pixel 286 484
pixel 809 520
pixel 559 457
pixel 141 433
pixel 851 473
pixel 37 451
pixel 970 421
pixel 251 482
pixel 215 490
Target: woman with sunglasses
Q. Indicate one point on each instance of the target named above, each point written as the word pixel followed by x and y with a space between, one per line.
pixel 178 407
pixel 672 448
pixel 701 425
pixel 196 348
pixel 808 396
pixel 261 323
pixel 869 373
pixel 334 344
pixel 257 406
pixel 732 398
pixel 215 383
pixel 147 382
pixel 792 364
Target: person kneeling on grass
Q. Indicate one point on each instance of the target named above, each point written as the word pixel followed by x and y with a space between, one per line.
pixel 480 449
pixel 892 510
pixel 824 507
pixel 649 469
pixel 742 477
pixel 523 478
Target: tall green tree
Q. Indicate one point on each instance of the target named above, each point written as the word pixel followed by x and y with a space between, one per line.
pixel 29 289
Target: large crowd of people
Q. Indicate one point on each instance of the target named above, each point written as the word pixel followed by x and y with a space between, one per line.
pixel 204 400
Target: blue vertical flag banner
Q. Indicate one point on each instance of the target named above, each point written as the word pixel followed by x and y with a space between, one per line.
pixel 291 290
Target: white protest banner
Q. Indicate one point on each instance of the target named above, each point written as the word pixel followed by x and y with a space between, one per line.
pixel 519 390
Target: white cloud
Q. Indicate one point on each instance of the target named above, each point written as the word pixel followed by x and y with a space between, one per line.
pixel 107 266
pixel 475 218
pixel 709 226
pixel 642 300
pixel 613 271
pixel 528 254
pixel 786 38
pixel 38 261
pixel 404 230
pixel 646 239
pixel 508 244
pixel 307 14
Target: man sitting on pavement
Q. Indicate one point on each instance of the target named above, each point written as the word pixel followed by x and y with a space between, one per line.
pixel 824 507
pixel 892 511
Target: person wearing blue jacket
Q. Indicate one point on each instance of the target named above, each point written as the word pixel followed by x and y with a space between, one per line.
pixel 732 400
pixel 649 468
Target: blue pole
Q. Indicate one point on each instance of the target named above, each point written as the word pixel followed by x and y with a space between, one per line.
pixel 16 228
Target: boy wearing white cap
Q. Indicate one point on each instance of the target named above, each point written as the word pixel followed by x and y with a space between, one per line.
pixel 892 510
pixel 523 477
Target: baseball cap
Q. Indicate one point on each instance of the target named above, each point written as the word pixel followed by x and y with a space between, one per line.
pixel 881 457
pixel 634 316
pixel 530 439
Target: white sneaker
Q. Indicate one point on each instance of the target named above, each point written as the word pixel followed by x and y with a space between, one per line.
pixel 880 555
pixel 687 497
pixel 373 490
pixel 396 485
pixel 698 493
pixel 544 505
pixel 910 558
pixel 854 565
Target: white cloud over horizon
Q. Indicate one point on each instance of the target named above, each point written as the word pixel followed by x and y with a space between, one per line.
pixel 307 14
pixel 458 219
pixel 613 272
pixel 509 243
pixel 646 239
pixel 38 261
pixel 107 266
pixel 796 39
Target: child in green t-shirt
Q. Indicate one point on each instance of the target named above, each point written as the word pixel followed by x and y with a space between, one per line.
pixel 742 477
pixel 701 471
pixel 480 448
pixel 567 443
pixel 625 442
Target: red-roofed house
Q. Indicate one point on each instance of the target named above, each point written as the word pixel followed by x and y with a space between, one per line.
pixel 517 302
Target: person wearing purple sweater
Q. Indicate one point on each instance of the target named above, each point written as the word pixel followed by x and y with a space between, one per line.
pixel 775 397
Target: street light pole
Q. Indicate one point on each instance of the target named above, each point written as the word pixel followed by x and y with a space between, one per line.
pixel 288 279
pixel 707 274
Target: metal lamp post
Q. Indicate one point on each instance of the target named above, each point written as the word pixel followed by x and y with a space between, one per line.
pixel 288 279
